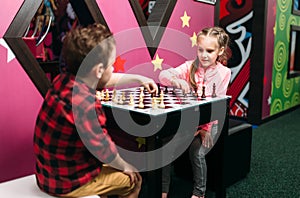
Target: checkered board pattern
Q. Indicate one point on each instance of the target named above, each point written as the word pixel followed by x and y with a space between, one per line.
pixel 174 99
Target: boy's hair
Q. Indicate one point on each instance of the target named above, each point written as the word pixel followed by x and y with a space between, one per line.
pixel 94 40
pixel 222 39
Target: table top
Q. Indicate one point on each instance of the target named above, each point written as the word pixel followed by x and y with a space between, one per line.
pixel 139 100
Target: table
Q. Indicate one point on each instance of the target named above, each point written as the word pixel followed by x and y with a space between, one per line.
pixel 180 117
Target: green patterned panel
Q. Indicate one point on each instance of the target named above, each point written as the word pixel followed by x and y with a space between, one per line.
pixel 285 91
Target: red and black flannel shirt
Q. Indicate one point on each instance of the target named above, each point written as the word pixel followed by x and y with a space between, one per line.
pixel 70 138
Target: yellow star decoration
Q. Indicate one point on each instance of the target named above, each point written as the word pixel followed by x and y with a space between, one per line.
pixel 185 20
pixel 194 39
pixel 141 141
pixel 157 63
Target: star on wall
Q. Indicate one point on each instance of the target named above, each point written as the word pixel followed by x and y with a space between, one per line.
pixel 269 100
pixel 141 141
pixel 194 39
pixel 157 62
pixel 185 20
pixel 10 54
pixel 119 64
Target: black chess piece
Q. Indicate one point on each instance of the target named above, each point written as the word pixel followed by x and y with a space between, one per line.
pixel 173 91
pixel 158 88
pixel 196 92
pixel 213 95
pixel 203 92
pixel 166 90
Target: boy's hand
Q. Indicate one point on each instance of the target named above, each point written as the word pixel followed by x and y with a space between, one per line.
pixel 150 85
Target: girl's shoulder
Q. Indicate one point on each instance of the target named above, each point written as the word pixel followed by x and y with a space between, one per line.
pixel 222 68
pixel 185 65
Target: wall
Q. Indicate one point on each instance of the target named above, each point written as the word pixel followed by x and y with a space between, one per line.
pixel 21 101
pixel 236 18
pixel 285 92
pixel 272 91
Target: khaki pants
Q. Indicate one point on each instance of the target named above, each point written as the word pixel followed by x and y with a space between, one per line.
pixel 109 182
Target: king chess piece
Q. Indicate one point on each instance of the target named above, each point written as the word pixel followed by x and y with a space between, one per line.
pixel 213 95
pixel 203 92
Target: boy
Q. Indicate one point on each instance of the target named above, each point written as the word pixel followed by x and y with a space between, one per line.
pixel 75 155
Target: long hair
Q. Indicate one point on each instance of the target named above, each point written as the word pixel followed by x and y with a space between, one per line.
pixel 222 39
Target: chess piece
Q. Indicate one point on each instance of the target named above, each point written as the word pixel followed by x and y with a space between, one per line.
pixel 141 103
pixel 196 92
pixel 162 104
pixel 121 101
pixel 98 95
pixel 173 91
pixel 131 100
pixel 158 88
pixel 114 95
pixel 107 95
pixel 142 91
pixel 161 95
pixel 214 91
pixel 123 96
pixel 203 92
pixel 154 103
pixel 166 90
pixel 114 99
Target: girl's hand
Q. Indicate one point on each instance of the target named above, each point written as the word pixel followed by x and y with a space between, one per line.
pixel 181 84
pixel 207 140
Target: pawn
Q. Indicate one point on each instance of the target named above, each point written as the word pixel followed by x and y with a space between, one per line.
pixel 154 103
pixel 114 95
pixel 203 92
pixel 98 95
pixel 166 90
pixel 162 104
pixel 131 100
pixel 123 96
pixel 141 104
pixel 214 91
pixel 106 95
pixel 161 95
pixel 121 101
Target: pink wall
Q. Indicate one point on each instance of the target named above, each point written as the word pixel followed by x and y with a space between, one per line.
pixel 20 100
pixel 19 103
pixel 269 54
pixel 175 46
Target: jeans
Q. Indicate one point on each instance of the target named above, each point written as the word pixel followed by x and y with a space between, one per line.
pixel 197 157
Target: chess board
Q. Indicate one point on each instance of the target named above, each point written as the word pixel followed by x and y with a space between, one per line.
pixel 173 99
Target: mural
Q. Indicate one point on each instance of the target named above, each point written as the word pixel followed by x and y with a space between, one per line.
pixel 236 18
pixel 285 91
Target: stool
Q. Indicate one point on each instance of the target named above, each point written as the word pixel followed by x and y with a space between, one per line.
pixel 25 187
pixel 238 151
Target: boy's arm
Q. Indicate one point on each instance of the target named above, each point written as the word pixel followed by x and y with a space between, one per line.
pixel 122 79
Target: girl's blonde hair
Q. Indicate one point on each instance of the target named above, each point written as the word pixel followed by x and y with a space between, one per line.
pixel 222 39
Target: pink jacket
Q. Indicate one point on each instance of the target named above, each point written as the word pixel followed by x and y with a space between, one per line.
pixel 219 74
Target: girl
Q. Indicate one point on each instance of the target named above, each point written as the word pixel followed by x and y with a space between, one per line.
pixel 208 71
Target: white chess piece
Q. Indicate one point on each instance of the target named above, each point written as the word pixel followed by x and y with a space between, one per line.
pixel 131 100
